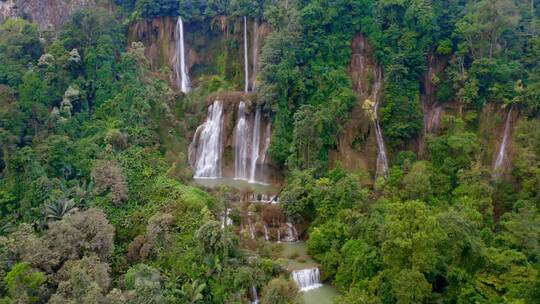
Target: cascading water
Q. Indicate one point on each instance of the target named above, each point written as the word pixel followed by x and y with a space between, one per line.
pixel 250 226
pixel 266 237
pixel 225 219
pixel 382 159
pixel 246 67
pixel 260 198
pixel 255 145
pixel 247 145
pixel 436 119
pixel 254 295
pixel 292 234
pixel 502 154
pixel 307 279
pixel 241 132
pixel 182 76
pixel 268 138
pixel 207 144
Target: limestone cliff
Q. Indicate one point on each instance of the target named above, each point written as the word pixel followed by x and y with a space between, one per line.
pixel 212 47
pixel 48 14
pixel 357 148
pixel 432 108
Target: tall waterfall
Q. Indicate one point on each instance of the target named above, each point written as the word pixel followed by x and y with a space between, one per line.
pixel 307 279
pixel 502 154
pixel 255 145
pixel 241 133
pixel 246 68
pixel 248 150
pixel 382 159
pixel 182 76
pixel 207 144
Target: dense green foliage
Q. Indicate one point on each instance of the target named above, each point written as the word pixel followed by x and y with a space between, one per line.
pixel 95 205
pixel 83 165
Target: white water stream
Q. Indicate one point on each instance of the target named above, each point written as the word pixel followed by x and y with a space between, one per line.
pixel 182 76
pixel 207 147
pixel 503 154
pixel 382 159
pixel 307 279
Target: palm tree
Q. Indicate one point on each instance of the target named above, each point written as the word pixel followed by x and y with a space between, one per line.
pixel 56 210
pixel 192 292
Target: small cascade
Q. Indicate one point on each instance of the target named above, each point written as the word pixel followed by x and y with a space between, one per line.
pixel 436 119
pixel 267 139
pixel 180 66
pixel 255 55
pixel 266 237
pixel 206 148
pixel 254 295
pixel 225 219
pixel 382 159
pixel 251 229
pixel 502 154
pixel 292 234
pixel 278 236
pixel 255 145
pixel 241 132
pixel 262 198
pixel 246 65
pixel 307 279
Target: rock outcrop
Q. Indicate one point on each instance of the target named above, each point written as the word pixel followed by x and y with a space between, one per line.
pixel 48 14
pixel 432 108
pixel 357 148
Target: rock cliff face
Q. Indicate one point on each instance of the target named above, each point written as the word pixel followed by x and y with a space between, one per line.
pixel 48 14
pixel 357 147
pixel 211 47
pixel 433 110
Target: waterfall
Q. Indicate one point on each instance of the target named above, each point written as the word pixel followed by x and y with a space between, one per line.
pixel 502 155
pixel 255 145
pixel 246 154
pixel 307 279
pixel 292 234
pixel 255 55
pixel 268 138
pixel 382 159
pixel 225 219
pixel 251 229
pixel 260 198
pixel 182 76
pixel 436 119
pixel 254 296
pixel 207 144
pixel 278 236
pixel 266 237
pixel 241 144
pixel 246 68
